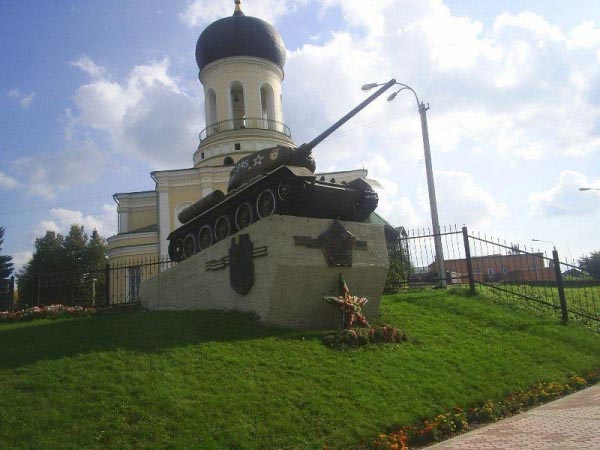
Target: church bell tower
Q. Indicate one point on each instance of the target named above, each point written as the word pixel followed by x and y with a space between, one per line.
pixel 240 61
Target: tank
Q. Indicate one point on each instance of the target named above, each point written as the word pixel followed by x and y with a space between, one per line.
pixel 275 180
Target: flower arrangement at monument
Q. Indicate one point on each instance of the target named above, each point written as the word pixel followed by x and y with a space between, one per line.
pixel 47 312
pixel 356 329
pixel 349 305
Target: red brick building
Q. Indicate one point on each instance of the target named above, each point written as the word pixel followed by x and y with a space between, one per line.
pixel 520 267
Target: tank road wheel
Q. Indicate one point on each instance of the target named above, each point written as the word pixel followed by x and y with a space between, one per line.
pixel 189 245
pixel 266 203
pixel 178 250
pixel 172 254
pixel 243 215
pixel 204 237
pixel 222 228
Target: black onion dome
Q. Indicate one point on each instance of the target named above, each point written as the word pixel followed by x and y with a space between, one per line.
pixel 239 35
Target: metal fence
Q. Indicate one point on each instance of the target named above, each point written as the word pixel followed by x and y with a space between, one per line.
pixel 510 273
pixel 112 284
pixel 7 293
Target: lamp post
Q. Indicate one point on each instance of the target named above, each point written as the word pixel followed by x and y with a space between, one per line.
pixel 589 189
pixel 429 171
pixel 547 242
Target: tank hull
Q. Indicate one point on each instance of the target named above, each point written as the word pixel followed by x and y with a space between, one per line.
pixel 287 190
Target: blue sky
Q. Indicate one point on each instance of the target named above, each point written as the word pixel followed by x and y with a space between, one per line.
pixel 95 95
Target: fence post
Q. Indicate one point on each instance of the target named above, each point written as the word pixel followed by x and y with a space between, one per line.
pixel 468 259
pixel 107 284
pixel 11 294
pixel 561 288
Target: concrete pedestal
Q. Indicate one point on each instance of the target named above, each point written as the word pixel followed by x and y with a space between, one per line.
pixel 290 280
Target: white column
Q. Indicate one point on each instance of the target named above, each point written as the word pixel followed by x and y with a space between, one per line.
pixel 164 221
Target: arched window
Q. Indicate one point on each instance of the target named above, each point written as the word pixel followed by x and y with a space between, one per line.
pixel 238 106
pixel 267 106
pixel 211 112
pixel 228 161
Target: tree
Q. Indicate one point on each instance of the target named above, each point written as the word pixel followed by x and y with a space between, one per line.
pixel 400 265
pixel 6 266
pixel 96 250
pixel 591 264
pixel 64 269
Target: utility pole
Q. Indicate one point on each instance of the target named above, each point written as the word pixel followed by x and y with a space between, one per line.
pixel 437 239
pixel 439 251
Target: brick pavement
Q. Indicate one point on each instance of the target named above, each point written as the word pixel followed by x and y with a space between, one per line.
pixel 571 423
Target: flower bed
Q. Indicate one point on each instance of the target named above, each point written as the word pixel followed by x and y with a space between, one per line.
pixel 457 420
pixel 359 337
pixel 47 312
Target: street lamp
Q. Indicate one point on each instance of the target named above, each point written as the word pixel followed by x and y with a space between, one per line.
pixel 589 189
pixel 428 169
pixel 547 242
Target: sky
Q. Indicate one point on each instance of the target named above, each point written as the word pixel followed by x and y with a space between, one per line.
pixel 96 95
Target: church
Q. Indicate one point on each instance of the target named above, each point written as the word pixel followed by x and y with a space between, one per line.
pixel 241 68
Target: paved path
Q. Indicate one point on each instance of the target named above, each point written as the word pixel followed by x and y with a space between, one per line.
pixel 571 423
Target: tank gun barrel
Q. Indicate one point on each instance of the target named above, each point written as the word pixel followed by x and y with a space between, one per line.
pixel 320 138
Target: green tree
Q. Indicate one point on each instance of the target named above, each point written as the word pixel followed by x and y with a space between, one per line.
pixel 6 265
pixel 48 257
pixel 64 269
pixel 96 251
pixel 591 264
pixel 400 266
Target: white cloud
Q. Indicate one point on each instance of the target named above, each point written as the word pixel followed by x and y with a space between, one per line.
pixel 20 259
pixel 203 12
pixel 47 174
pixel 461 200
pixel 585 35
pixel 88 66
pixel 61 219
pixel 24 100
pixel 7 182
pixel 147 116
pixel 565 199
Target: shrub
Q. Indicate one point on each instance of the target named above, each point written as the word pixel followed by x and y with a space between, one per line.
pixel 52 312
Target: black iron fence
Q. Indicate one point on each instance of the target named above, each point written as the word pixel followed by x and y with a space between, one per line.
pixel 508 272
pixel 112 284
pixel 7 294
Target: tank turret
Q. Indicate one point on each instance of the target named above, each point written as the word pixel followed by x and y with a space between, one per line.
pixel 277 180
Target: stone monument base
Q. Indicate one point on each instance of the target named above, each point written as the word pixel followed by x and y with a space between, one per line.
pixel 290 280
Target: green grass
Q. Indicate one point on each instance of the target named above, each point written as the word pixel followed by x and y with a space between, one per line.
pixel 582 302
pixel 208 380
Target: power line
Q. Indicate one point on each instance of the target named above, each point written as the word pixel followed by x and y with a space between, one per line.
pixel 45 207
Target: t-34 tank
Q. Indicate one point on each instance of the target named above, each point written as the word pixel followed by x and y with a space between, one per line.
pixel 277 180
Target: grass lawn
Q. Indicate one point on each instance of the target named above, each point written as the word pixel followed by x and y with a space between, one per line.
pixel 208 380
pixel 584 300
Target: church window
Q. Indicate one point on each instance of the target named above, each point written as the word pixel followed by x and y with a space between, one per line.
pixel 228 161
pixel 238 146
pixel 134 279
pixel 238 107
pixel 267 106
pixel 211 112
